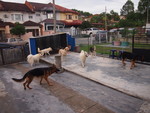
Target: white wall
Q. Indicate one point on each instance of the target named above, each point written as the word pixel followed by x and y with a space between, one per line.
pixel 25 16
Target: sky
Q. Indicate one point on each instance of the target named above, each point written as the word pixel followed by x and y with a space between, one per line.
pixel 91 6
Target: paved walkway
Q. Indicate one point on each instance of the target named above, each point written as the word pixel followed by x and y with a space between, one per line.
pixel 110 72
pixel 42 98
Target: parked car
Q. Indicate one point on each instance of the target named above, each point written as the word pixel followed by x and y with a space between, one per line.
pixel 101 36
pixel 89 31
pixel 16 41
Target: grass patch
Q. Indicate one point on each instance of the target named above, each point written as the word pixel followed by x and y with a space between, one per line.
pixel 102 49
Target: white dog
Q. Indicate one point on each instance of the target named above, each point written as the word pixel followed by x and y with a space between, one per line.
pixel 32 59
pixel 45 51
pixel 83 55
pixel 63 52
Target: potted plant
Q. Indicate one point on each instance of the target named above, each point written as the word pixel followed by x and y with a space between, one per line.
pixel 117 42
pixel 126 34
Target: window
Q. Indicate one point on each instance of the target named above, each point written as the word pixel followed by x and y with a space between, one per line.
pixel 50 27
pixel 17 17
pixel 68 17
pixel 5 16
pixel 38 14
pixel 50 15
pixel 76 17
pixel 30 17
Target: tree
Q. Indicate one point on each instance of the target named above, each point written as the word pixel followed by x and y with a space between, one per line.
pixel 114 15
pixel 127 8
pixel 96 19
pixel 86 14
pixel 18 29
pixel 85 24
pixel 144 8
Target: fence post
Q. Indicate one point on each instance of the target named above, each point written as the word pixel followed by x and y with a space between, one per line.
pixel 1 51
pixel 58 61
pixel 133 40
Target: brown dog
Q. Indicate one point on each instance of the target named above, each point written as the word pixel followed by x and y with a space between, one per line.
pixel 132 56
pixel 93 51
pixel 42 72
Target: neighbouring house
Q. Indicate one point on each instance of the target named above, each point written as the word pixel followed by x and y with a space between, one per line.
pixel 36 17
pixel 11 13
pixel 89 17
pixel 65 18
pixel 14 12
pixel 33 27
pixel 5 29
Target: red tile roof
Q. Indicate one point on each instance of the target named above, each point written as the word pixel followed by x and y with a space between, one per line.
pixel 40 6
pixel 52 21
pixel 97 23
pixel 74 22
pixel 49 7
pixel 63 9
pixel 3 24
pixel 31 23
pixel 9 6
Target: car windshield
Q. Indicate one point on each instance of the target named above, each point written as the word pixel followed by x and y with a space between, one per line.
pixel 95 29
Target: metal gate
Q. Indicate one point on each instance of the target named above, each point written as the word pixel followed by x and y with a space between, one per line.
pixel 56 42
pixel 141 43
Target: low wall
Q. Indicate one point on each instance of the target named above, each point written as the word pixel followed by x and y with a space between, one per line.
pixel 13 55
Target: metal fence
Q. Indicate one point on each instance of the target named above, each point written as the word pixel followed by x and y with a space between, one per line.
pixel 141 43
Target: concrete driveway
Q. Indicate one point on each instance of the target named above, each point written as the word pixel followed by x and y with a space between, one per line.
pixel 110 72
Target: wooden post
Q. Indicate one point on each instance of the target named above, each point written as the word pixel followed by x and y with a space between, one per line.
pixel 1 51
pixel 133 40
pixel 54 16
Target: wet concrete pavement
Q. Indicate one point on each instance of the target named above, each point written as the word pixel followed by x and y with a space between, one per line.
pixel 42 98
pixel 71 93
pixel 110 72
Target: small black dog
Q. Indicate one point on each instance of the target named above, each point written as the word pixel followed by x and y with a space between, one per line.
pixel 131 56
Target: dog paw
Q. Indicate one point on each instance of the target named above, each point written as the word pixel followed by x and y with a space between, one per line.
pixel 131 67
pixel 50 84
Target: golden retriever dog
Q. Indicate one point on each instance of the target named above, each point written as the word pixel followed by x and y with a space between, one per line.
pixel 45 51
pixel 63 52
pixel 32 59
pixel 83 54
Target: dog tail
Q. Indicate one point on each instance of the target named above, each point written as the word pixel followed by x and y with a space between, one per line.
pixel 29 58
pixel 20 80
pixel 39 50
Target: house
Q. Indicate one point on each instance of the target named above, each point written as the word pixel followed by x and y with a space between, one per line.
pixel 5 29
pixel 36 17
pixel 65 18
pixel 11 13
